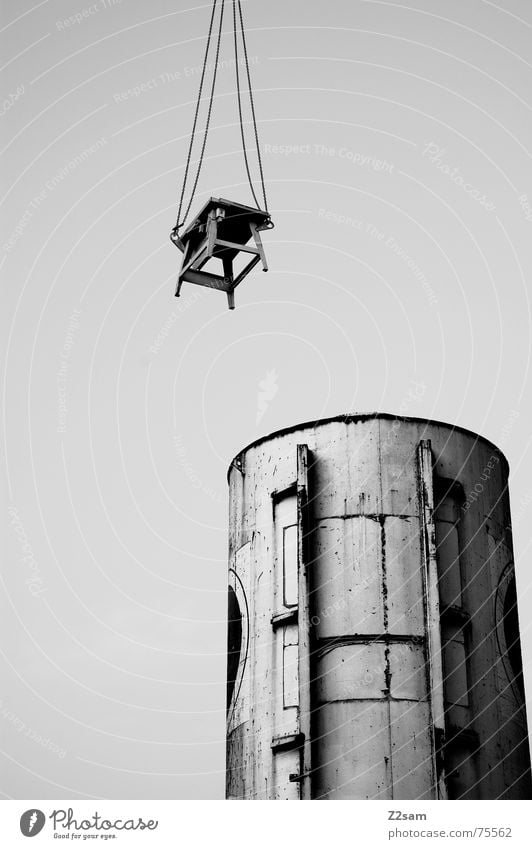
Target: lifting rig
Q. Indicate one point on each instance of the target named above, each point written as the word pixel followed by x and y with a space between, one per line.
pixel 223 228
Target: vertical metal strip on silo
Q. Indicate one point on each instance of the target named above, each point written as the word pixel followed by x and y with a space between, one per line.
pixel 304 621
pixel 432 611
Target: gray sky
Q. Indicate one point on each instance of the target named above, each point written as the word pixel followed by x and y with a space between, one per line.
pixel 396 150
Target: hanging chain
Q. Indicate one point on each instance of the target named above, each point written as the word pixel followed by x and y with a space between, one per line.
pixel 182 218
pixel 252 110
pixel 179 222
pixel 241 120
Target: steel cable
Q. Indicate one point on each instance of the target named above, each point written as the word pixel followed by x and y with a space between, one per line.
pixel 252 110
pixel 182 219
pixel 180 223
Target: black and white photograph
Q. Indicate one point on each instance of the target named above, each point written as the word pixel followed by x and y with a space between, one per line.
pixel 266 442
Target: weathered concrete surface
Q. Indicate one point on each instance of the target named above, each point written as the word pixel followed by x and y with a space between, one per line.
pixel 359 617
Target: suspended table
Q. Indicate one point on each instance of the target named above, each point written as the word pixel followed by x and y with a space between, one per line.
pixel 219 233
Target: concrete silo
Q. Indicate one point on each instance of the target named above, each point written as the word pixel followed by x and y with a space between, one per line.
pixel 373 647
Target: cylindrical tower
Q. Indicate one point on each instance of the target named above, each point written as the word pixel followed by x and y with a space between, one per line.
pixel 373 647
